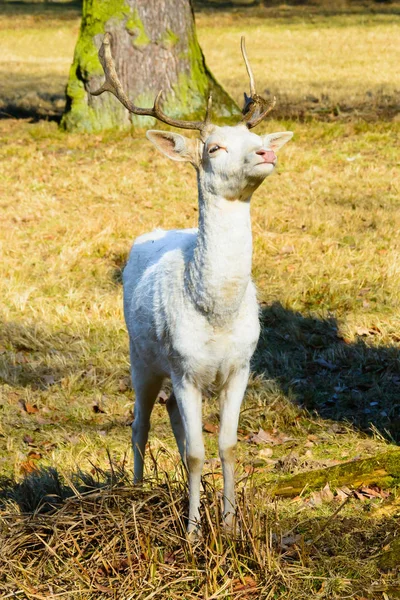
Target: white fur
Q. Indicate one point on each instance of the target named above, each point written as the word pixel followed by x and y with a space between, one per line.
pixel 190 305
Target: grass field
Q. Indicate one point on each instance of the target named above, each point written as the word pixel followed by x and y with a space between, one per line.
pixel 326 376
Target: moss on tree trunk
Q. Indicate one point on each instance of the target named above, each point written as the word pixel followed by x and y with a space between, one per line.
pixel 155 47
pixel 383 470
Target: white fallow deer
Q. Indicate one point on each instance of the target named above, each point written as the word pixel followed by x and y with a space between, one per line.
pixel 190 304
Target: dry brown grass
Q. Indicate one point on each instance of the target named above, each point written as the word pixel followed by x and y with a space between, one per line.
pixel 326 231
pixel 129 543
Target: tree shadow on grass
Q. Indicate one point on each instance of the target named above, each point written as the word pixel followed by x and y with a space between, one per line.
pixel 64 10
pixel 321 371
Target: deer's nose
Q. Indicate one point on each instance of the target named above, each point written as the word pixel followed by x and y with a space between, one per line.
pixel 268 156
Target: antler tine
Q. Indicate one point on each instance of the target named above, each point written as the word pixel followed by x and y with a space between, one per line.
pixel 246 62
pixel 205 130
pixel 255 107
pixel 113 85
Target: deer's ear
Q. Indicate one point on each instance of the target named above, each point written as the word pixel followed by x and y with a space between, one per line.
pixel 275 141
pixel 175 146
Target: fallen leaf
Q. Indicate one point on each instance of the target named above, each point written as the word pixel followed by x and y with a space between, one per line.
pixel 28 466
pixel 245 583
pixel 265 437
pixel 359 496
pixel 33 455
pixel 322 497
pixel 265 453
pixel 374 492
pixel 28 439
pixel 343 493
pixel 31 409
pixel 326 493
pixel 210 428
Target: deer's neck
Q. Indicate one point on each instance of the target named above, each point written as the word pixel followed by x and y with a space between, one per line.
pixel 219 272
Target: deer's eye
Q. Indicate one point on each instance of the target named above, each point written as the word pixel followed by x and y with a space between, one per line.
pixel 213 148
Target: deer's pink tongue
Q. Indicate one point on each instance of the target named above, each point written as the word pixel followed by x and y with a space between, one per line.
pixel 268 156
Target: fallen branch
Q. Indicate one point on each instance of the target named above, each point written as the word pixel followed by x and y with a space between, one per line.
pixel 382 470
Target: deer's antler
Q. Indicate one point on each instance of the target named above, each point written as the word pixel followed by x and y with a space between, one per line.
pixel 255 107
pixel 112 84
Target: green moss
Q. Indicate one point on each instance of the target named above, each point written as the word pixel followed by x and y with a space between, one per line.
pixel 383 469
pixel 189 95
pixel 169 38
pixel 96 15
pixel 136 28
pixel 391 558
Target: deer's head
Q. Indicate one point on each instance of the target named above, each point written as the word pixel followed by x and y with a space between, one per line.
pixel 231 161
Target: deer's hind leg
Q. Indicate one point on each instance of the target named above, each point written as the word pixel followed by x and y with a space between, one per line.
pixel 147 386
pixel 177 425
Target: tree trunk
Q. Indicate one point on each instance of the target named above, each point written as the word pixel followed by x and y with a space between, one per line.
pixel 155 48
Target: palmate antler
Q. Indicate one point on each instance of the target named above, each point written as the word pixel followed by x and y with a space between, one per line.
pixel 112 84
pixel 254 111
pixel 255 107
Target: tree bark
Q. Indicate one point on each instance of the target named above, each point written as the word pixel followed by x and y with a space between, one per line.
pixel 155 48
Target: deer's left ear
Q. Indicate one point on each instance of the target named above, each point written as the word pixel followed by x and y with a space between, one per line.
pixel 275 141
pixel 175 146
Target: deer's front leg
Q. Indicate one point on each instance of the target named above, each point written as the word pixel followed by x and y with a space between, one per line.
pixel 230 402
pixel 188 398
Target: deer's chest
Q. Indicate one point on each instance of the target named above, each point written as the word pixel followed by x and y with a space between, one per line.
pixel 210 353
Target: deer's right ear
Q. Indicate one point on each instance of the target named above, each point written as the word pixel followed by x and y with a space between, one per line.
pixel 175 146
